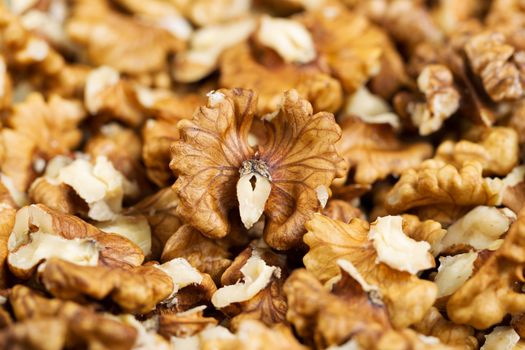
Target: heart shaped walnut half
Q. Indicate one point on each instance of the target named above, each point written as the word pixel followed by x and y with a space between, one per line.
pixel 224 169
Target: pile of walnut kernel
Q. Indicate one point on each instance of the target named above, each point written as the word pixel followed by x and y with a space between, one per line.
pixel 262 174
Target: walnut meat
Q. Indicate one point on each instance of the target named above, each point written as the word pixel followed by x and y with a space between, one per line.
pixel 138 289
pixel 351 45
pixel 441 99
pixel 436 182
pixel 498 65
pixel 330 240
pixel 286 173
pixel 95 330
pixel 271 79
pixel 497 150
pixel 475 302
pixel 40 233
pixel 128 45
pixel 204 254
pixel 374 151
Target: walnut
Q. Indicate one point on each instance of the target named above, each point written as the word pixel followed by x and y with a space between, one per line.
pixel 159 209
pixel 285 193
pixel 250 335
pixel 513 194
pixel 375 152
pixel 501 338
pixel 203 12
pixel 351 45
pixel 314 311
pixel 137 289
pixel 204 254
pixel 436 182
pixel 125 44
pixel 135 228
pixel 337 209
pixel 256 276
pixel 497 151
pixel 41 130
pixel 288 38
pixel 498 65
pixel 25 50
pixel 206 46
pixel 122 147
pixel 436 325
pixel 41 334
pixel 7 221
pixel 451 15
pixel 271 79
pixel 475 302
pixel 94 331
pixel 253 287
pixel 185 324
pixel 40 233
pixel 480 228
pixel 406 297
pixel 424 230
pixel 109 96
pixel 159 133
pixel 453 272
pixel 408 22
pixel 99 186
pixel 393 246
pixel 371 109
pixel 441 99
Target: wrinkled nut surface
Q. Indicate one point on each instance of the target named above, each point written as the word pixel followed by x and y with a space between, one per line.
pixel 329 239
pixel 292 173
pixel 289 38
pixel 396 249
pixel 40 233
pixel 262 175
pixel 442 99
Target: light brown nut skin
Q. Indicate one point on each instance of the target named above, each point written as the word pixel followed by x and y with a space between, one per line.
pixel 41 334
pixel 435 182
pixel 206 255
pixel 269 305
pixel 82 325
pixel 273 79
pixel 7 221
pixel 375 152
pixel 126 44
pixel 496 149
pixel 321 316
pixel 135 290
pixel 341 210
pixel 123 148
pixel 497 64
pixel 338 34
pixel 450 333
pixel 406 297
pixel 160 211
pixel 489 294
pixel 114 250
pixel 184 325
pixel 59 197
pixel 215 142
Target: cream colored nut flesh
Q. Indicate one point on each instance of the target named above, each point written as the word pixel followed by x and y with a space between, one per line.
pixel 288 38
pixel 453 272
pixel 253 190
pixel 256 276
pixel 396 249
pixel 28 247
